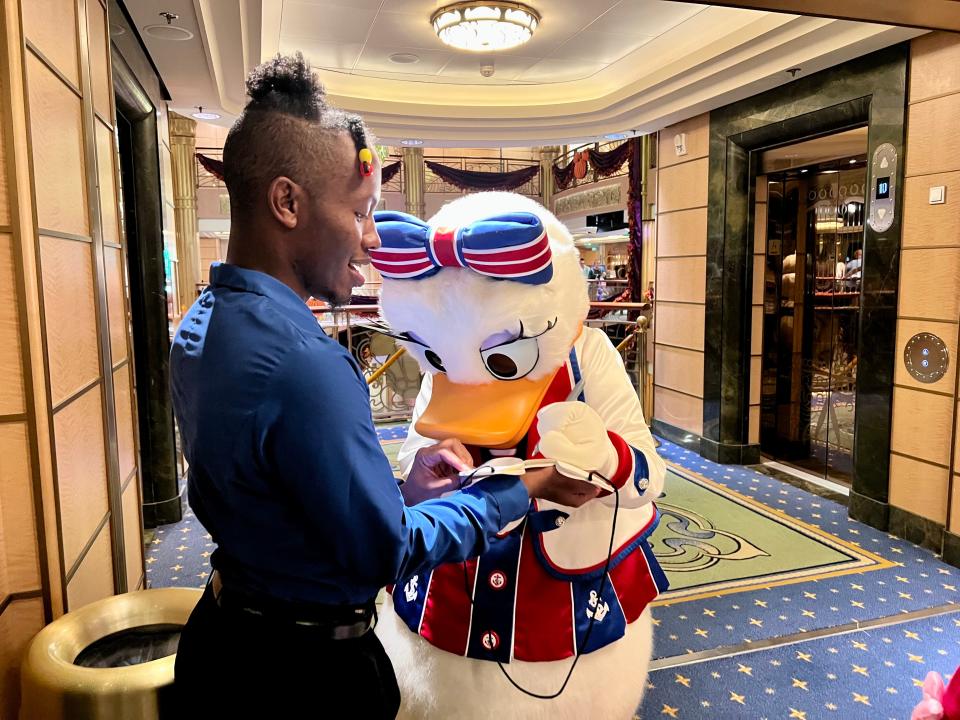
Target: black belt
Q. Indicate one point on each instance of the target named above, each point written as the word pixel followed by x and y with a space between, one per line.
pixel 333 621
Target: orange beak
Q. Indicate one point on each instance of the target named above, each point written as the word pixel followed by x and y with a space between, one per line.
pixel 495 415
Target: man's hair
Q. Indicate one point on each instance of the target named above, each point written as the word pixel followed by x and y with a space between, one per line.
pixel 287 128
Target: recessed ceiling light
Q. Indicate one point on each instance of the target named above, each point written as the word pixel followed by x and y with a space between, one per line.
pixel 853 162
pixel 205 115
pixel 616 136
pixel 167 32
pixel 411 141
pixel 404 58
pixel 804 170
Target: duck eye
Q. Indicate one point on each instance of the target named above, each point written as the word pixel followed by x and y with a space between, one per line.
pixel 434 360
pixel 512 360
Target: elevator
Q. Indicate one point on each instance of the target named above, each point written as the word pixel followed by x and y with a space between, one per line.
pixel 811 302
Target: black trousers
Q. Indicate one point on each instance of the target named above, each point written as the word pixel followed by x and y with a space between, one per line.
pixel 232 664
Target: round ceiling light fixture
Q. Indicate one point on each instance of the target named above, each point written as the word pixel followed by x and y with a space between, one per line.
pixel 168 31
pixel 201 115
pixel 481 26
pixel 404 58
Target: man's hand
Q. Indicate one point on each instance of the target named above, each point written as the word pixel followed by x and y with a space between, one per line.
pixel 435 471
pixel 548 484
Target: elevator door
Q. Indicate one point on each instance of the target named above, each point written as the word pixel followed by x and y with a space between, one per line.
pixel 811 316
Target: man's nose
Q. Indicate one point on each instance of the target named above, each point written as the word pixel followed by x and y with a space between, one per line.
pixel 371 238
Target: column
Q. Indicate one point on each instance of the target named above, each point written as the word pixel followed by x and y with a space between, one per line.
pixel 548 156
pixel 414 181
pixel 183 145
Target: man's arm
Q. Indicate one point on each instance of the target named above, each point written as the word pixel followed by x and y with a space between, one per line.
pixel 320 442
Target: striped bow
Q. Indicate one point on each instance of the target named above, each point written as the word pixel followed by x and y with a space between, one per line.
pixel 512 246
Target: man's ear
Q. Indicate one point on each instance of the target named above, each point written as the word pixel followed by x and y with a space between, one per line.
pixel 285 199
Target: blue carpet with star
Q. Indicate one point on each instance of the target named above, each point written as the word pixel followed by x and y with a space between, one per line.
pixel 713 645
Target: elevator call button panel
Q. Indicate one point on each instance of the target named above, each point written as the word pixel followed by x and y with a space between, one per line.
pixel 883 198
pixel 926 357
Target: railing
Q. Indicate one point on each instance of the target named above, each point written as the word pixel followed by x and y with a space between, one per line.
pixel 435 184
pixel 591 177
pixel 206 179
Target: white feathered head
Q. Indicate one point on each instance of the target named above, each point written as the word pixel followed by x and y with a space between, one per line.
pixel 473 328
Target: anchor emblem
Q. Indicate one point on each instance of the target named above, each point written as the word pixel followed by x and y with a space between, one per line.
pixel 410 590
pixel 598 608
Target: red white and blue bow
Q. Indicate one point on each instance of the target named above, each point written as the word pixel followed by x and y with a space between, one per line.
pixel 512 246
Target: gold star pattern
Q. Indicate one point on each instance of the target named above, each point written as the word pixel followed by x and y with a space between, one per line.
pixel 760 603
pixel 915 658
pixel 151 560
pixel 744 669
pixel 804 656
pixel 737 698
pixel 810 595
pixel 854 603
pixel 859 645
pixel 798 714
pixel 181 548
pixel 701 633
pixel 802 684
pixel 902 579
pixel 709 613
pixel 905 596
pixel 910 635
pixel 860 670
pixel 671 711
pixel 758 623
pixel 685 681
pixel 808 613
pixel 862 699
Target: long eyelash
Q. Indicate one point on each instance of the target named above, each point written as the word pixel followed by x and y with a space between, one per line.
pixel 384 329
pixel 551 324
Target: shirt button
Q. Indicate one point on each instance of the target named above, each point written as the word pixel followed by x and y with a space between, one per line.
pixel 643 484
pixel 559 521
pixel 497 580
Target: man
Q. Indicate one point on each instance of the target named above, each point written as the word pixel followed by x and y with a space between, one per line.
pixel 286 472
pixel 853 271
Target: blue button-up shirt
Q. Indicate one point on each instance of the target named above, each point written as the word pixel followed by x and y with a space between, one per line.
pixel 286 472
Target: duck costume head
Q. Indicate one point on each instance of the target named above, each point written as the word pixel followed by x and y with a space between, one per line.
pixel 490 303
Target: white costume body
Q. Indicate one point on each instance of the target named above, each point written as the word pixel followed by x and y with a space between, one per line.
pixel 607 682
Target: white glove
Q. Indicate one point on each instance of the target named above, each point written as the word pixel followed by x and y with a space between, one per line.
pixel 572 433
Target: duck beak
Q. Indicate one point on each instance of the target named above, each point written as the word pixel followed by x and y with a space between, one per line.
pixel 495 415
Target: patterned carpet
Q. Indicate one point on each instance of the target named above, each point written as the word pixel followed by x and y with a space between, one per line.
pixel 780 607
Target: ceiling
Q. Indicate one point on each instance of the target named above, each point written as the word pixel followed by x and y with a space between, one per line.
pixel 593 67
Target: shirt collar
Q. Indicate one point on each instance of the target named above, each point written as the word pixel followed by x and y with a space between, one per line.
pixel 246 280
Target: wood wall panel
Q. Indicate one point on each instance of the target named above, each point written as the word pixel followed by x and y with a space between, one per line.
pixel 94 578
pixel 919 487
pixel 4 188
pixel 106 178
pixel 11 371
pixel 697 130
pixel 755 375
pixel 116 305
pixel 929 282
pixel 81 471
pixel 51 25
pixel 682 279
pixel 682 411
pixel 133 534
pixel 927 225
pixel 70 313
pixel 931 136
pixel 680 325
pixel 18 624
pixel 126 448
pixel 934 66
pixel 955 506
pixel 682 233
pixel 57 135
pixel 760 224
pixel 679 369
pixel 921 425
pixel 19 553
pixel 759 267
pixel 99 58
pixel 906 329
pixel 682 186
pixel 753 432
pixel 756 330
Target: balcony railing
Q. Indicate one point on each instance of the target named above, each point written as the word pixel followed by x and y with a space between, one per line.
pixel 206 179
pixel 436 185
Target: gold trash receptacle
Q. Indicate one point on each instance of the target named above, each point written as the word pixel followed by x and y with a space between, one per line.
pixel 54 687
